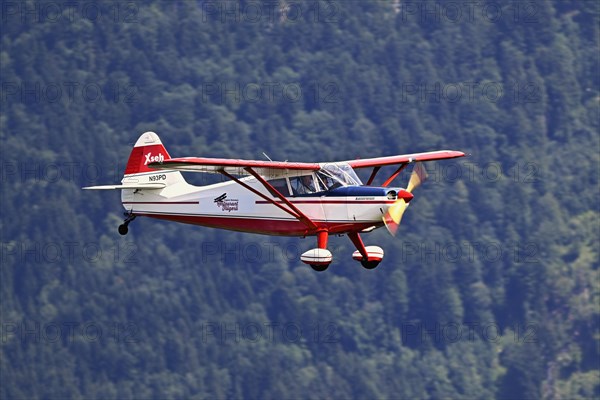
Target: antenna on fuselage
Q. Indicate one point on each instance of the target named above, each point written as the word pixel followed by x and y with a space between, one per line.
pixel 268 158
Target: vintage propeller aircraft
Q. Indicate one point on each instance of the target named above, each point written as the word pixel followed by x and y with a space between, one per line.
pixel 272 197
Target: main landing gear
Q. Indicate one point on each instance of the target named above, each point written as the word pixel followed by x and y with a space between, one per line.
pixel 123 228
pixel 369 256
pixel 320 258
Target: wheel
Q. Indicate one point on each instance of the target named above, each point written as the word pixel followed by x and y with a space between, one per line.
pixel 370 264
pixel 123 229
pixel 319 267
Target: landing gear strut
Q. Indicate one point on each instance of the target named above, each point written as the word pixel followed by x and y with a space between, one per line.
pixel 123 228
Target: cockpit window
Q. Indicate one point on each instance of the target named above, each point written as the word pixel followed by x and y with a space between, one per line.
pixel 303 185
pixel 335 175
pixel 280 185
pixel 329 177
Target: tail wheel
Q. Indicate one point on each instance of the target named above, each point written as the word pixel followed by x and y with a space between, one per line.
pixel 124 228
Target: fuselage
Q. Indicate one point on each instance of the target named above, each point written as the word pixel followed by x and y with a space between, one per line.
pixel 228 205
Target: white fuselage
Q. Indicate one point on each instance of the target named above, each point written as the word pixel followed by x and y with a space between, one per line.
pixel 229 205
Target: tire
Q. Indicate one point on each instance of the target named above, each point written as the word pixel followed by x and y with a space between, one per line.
pixel 370 264
pixel 123 229
pixel 319 268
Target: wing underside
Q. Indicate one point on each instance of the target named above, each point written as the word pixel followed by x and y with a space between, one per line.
pixel 232 166
pixel 265 168
pixel 405 158
pixel 147 186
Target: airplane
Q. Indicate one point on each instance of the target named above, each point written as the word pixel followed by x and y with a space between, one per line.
pixel 272 197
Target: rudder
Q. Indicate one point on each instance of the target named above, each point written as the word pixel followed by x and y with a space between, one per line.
pixel 147 149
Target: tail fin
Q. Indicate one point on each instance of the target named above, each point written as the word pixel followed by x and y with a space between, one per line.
pixel 147 149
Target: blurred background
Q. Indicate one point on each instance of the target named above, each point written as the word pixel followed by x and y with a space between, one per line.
pixel 490 289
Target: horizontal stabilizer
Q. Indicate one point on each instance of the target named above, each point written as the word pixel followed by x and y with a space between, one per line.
pixel 146 186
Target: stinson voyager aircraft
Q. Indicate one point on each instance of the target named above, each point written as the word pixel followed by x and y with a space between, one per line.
pixel 272 197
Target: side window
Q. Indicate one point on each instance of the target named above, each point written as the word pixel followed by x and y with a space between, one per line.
pixel 280 185
pixel 303 185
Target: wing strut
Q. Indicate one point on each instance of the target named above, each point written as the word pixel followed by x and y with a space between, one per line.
pixel 375 171
pixel 394 175
pixel 296 212
pixel 256 192
pixel 293 211
pixel 388 180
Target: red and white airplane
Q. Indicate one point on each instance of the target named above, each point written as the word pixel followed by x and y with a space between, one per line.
pixel 272 197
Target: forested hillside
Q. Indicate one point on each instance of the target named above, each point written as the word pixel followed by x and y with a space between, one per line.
pixel 490 289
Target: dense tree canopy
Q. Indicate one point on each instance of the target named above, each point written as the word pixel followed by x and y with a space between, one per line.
pixel 490 289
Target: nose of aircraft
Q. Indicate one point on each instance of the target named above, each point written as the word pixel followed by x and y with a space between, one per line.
pixel 405 194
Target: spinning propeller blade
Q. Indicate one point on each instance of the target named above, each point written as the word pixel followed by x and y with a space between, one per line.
pixel 418 176
pixel 394 214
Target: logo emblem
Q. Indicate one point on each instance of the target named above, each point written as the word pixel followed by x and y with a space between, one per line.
pixel 226 204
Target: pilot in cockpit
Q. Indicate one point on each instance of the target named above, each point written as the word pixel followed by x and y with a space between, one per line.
pixel 304 185
pixel 326 181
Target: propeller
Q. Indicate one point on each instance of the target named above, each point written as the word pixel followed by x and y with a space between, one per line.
pixel 394 214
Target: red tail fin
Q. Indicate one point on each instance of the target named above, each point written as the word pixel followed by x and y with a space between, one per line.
pixel 147 149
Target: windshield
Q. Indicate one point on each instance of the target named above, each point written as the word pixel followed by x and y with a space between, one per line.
pixel 332 176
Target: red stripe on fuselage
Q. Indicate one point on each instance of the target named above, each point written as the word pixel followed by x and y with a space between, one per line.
pixel 278 201
pixel 320 201
pixel 160 202
pixel 263 226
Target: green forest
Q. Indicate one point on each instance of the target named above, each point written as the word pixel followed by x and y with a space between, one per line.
pixel 490 289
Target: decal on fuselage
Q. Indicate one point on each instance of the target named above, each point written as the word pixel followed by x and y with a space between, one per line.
pixel 161 177
pixel 226 204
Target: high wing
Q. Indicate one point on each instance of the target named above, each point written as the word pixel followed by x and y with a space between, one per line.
pixel 405 158
pixel 238 167
pixel 232 166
